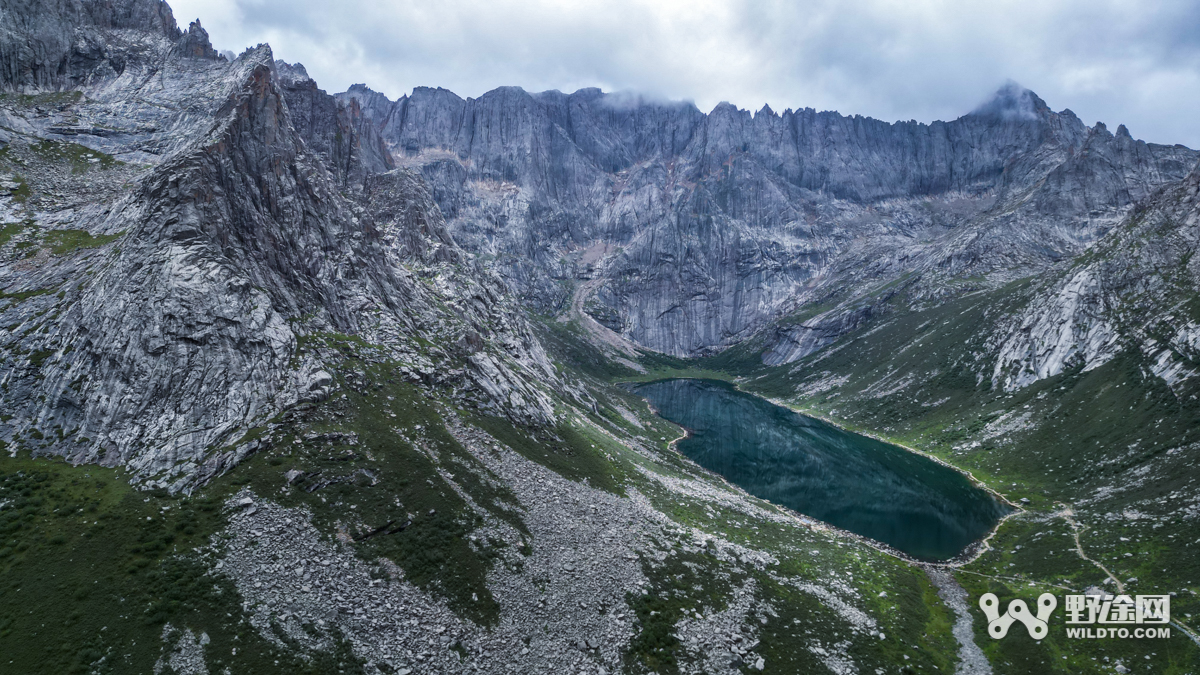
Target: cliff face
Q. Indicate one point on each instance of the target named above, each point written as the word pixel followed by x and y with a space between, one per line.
pixel 351 148
pixel 48 46
pixel 704 228
pixel 162 313
pixel 1135 291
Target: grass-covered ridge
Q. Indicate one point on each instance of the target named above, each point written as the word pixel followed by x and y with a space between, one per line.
pixel 92 569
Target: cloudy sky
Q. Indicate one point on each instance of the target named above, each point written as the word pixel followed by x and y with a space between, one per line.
pixel 1118 61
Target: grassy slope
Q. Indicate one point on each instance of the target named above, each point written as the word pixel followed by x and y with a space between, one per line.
pixel 910 380
pixel 74 171
pixel 91 570
pixel 111 565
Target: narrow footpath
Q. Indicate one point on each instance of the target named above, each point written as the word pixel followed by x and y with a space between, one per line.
pixel 1068 515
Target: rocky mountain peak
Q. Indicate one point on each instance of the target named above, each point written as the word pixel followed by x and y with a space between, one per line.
pixel 242 237
pixel 53 46
pixel 151 16
pixel 588 93
pixel 292 73
pixel 195 43
pixel 725 108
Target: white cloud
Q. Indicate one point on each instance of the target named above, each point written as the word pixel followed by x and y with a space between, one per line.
pixel 1117 61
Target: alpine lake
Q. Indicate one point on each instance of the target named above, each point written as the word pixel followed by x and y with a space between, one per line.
pixel 920 507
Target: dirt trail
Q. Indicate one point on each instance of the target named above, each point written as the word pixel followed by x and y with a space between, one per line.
pixel 601 335
pixel 1069 515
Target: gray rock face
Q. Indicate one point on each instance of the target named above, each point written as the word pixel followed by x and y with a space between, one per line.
pixel 196 302
pixel 335 130
pixel 182 334
pixel 682 231
pixel 704 228
pixel 195 43
pixel 1135 290
pixel 48 46
pixel 400 201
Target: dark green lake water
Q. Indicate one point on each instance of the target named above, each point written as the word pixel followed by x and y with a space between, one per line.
pixel 868 487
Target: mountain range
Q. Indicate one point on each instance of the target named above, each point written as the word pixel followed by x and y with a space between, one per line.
pixel 293 381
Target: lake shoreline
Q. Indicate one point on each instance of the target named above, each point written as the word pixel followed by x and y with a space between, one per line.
pixel 968 555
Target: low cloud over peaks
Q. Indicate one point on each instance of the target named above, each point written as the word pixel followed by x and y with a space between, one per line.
pixel 1120 61
pixel 1011 102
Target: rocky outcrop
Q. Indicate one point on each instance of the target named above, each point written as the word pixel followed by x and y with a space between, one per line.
pixel 793 342
pixel 183 339
pixel 225 243
pixel 179 336
pixel 333 129
pixel 52 46
pixel 195 43
pixel 1135 290
pixel 705 228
